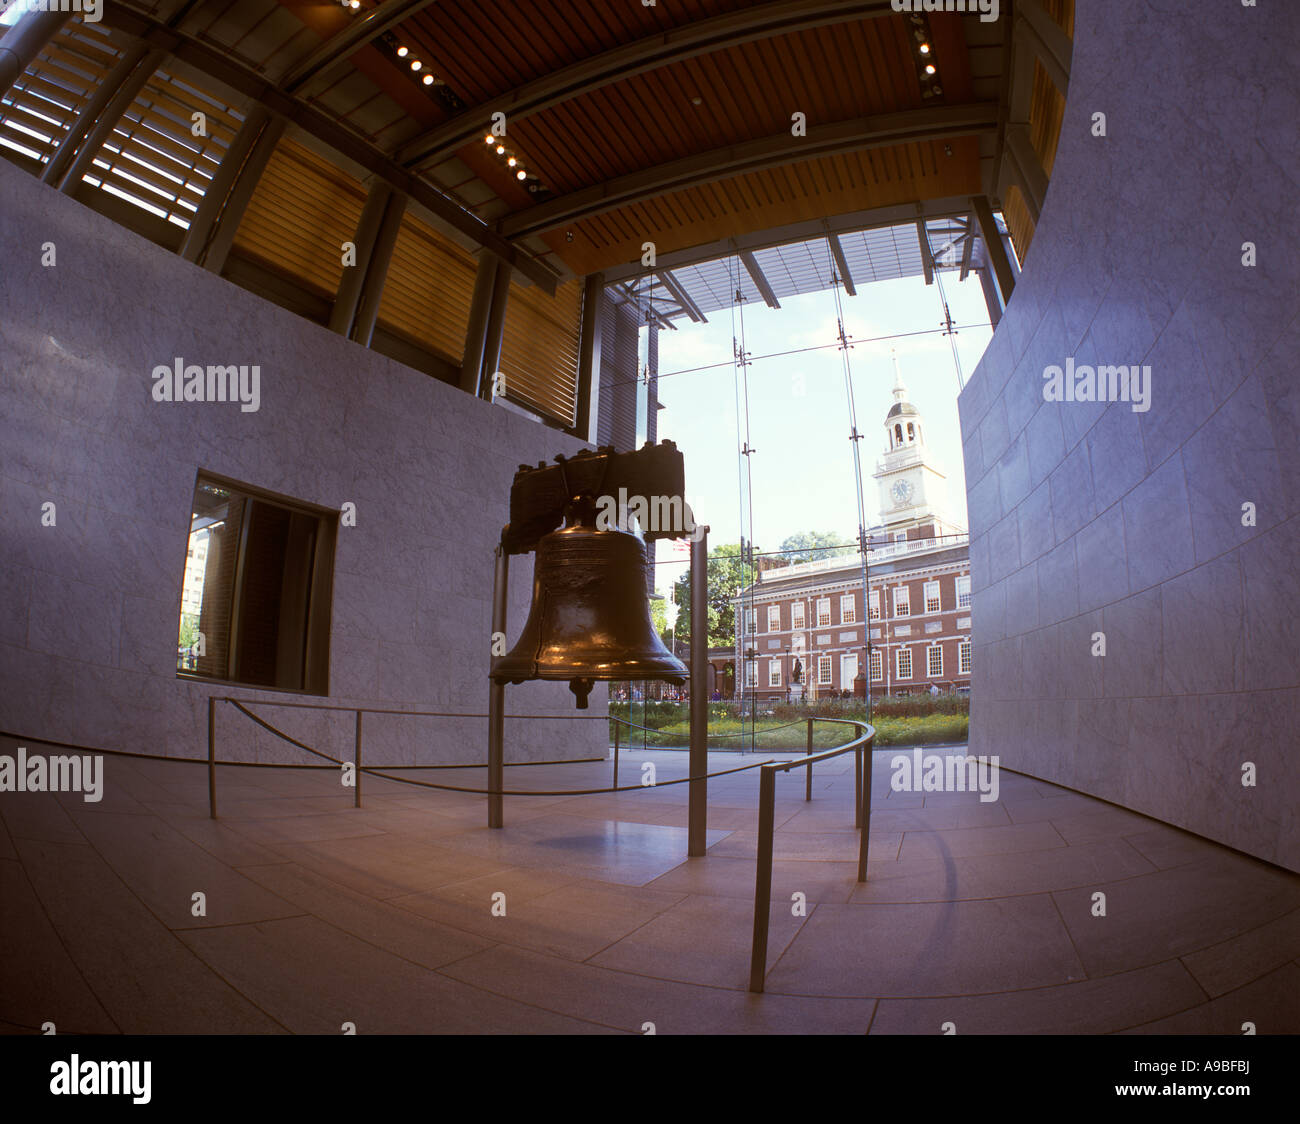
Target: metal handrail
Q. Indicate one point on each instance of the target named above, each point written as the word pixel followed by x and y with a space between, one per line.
pixel 767 831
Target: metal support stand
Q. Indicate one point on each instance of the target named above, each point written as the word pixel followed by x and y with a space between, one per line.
pixel 497 696
pixel 212 756
pixel 698 812
pixel 356 765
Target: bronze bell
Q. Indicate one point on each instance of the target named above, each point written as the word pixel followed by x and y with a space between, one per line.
pixel 590 616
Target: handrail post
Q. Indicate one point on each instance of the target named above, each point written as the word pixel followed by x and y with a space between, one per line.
pixel 807 794
pixel 857 785
pixel 212 756
pixel 356 764
pixel 616 752
pixel 864 812
pixel 763 876
pixel 497 696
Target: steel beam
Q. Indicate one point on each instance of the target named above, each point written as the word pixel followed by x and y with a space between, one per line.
pixel 104 93
pixel 760 21
pixel 842 264
pixel 471 367
pixel 927 260
pixel 760 281
pixel 25 40
pixel 991 300
pixel 350 40
pixel 196 238
pixel 216 63
pixel 103 128
pixel 587 419
pixel 881 130
pixel 681 296
pixel 496 330
pixel 222 237
pixel 968 250
pixel 993 245
pixel 1027 169
pixel 377 270
pixel 344 313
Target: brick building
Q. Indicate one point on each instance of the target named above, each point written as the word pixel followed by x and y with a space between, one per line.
pixel 805 621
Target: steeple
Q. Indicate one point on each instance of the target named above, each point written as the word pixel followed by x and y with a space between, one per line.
pixel 903 422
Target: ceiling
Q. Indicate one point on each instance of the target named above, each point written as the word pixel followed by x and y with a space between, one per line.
pixel 679 123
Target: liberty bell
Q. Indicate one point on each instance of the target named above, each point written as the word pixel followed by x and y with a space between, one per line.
pixel 590 614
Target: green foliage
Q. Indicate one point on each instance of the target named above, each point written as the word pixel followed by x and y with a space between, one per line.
pixel 800 547
pixel 726 574
pixel 189 629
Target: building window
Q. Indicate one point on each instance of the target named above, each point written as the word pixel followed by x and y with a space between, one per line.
pixel 877 669
pixel 796 615
pixel 797 642
pixel 902 605
pixel 931 597
pixel 963 592
pixel 934 662
pixel 963 657
pixel 256 594
pixel 751 674
pixel 824 671
pixel 774 673
pixel 751 621
pixel 911 433
pixel 823 611
pixel 774 618
pixel 903 663
pixel 848 609
pixel 875 605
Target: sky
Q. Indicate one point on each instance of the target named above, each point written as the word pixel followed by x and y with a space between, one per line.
pixel 798 420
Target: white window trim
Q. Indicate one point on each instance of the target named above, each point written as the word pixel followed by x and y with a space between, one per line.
pixel 964 657
pixel 963 591
pixel 877 667
pixel 823 671
pixel 929 667
pixel 797 616
pixel 902 597
pixel 774 673
pixel 774 609
pixel 898 663
pixel 847 601
pixel 938 603
pixel 826 601
pixel 874 605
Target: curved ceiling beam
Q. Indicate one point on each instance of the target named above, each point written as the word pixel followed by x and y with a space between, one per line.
pixel 350 40
pixel 763 21
pixel 216 63
pixel 910 126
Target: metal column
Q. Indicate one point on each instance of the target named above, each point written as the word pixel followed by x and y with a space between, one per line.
pixel 496 326
pixel 996 250
pixel 24 41
pixel 471 368
pixel 344 313
pixel 497 695
pixel 205 218
pixel 224 228
pixel 698 813
pixel 587 420
pixel 372 290
pixel 90 113
pixel 103 128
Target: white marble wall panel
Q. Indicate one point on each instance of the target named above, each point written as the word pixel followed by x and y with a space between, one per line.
pixel 1129 523
pixel 89 607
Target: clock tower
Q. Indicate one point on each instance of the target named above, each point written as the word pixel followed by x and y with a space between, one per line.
pixel 912 490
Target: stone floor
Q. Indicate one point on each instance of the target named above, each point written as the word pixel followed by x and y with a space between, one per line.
pixel 318 914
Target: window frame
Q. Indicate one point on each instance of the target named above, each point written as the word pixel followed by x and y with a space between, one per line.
pixel 851 602
pixel 898 662
pixel 938 598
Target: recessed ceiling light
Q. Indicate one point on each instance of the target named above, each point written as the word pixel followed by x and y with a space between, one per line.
pixel 428 79
pixel 489 139
pixel 402 52
pixel 521 174
pixel 925 48
pixel 501 148
pixel 512 161
pixel 416 64
pixel 929 68
pixel 697 101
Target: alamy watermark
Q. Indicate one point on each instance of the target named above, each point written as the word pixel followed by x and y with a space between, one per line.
pixel 1103 383
pixel 940 772
pixel 987 9
pixel 22 773
pixel 657 514
pixel 92 11
pixel 193 383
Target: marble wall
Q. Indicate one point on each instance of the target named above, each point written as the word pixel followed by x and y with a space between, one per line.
pixel 89 606
pixel 1092 518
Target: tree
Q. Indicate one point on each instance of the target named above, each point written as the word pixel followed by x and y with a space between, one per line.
pixel 659 618
pixel 803 547
pixel 726 575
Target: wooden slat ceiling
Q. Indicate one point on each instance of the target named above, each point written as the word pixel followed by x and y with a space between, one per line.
pixel 746 92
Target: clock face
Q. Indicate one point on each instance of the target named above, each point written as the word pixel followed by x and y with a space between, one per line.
pixel 901 491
